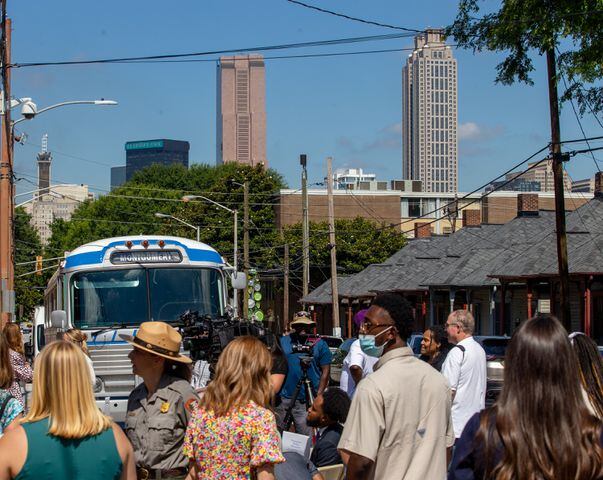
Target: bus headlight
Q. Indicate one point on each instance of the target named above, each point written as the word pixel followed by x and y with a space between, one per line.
pixel 98 385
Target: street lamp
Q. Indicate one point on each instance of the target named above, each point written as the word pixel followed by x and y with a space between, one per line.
pixel 29 109
pixel 165 215
pixel 188 198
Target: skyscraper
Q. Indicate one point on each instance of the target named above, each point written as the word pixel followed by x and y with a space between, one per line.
pixel 145 153
pixel 241 110
pixel 429 114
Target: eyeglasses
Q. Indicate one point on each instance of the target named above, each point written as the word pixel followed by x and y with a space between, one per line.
pixel 450 324
pixel 367 327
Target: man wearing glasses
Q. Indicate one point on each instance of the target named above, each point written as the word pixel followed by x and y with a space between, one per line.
pixel 465 369
pixel 399 424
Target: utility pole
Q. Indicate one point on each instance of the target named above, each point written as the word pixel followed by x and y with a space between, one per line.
pixel 7 304
pixel 246 245
pixel 333 248
pixel 557 158
pixel 305 226
pixel 286 288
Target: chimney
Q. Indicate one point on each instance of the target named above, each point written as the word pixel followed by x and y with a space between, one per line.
pixel 422 230
pixel 472 218
pixel 527 205
pixel 599 184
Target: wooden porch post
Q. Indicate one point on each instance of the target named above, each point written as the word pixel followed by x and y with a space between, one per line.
pixel 529 289
pixel 431 307
pixel 503 294
pixel 451 295
pixel 587 307
pixel 349 329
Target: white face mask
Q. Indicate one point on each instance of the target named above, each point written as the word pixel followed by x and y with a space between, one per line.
pixel 367 344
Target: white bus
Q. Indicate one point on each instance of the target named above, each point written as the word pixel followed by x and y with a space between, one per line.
pixel 111 286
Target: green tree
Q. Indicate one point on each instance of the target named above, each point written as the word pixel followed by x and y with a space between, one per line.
pixel 130 210
pixel 29 287
pixel 523 26
pixel 360 242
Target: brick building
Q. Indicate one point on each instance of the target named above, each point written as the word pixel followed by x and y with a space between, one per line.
pixel 405 209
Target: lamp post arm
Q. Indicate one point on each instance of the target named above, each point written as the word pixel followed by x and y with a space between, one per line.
pixel 72 102
pixel 183 222
pixel 213 202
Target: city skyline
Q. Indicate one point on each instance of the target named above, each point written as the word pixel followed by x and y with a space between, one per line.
pixel 348 107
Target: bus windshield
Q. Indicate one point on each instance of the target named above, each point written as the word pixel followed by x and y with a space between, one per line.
pixel 133 296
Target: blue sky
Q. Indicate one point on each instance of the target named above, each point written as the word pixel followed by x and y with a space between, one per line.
pixel 346 107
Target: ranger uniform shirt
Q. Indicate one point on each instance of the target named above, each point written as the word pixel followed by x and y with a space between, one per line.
pixel 156 425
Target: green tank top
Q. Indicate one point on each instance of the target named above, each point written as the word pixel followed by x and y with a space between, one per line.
pixel 50 457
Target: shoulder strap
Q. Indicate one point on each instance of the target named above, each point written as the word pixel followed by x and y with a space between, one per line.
pixel 462 349
pixel 4 405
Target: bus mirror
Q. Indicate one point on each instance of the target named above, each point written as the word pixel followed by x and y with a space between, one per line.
pixel 58 319
pixel 238 280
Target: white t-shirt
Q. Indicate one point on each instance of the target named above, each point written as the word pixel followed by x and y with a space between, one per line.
pixel 355 357
pixel 466 375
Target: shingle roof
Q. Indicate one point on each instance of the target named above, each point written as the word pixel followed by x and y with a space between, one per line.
pixel 476 256
pixel 584 245
pixel 490 251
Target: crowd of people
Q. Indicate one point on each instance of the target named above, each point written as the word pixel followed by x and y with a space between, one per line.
pixel 394 416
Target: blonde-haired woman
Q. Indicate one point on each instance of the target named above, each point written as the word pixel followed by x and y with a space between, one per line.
pixel 233 433
pixel 22 371
pixel 78 338
pixel 70 436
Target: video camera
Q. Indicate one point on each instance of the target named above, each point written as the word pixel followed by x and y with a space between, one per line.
pixel 205 336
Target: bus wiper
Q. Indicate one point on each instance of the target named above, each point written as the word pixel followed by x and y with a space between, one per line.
pixel 108 328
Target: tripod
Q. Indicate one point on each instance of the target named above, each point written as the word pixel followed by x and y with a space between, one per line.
pixel 303 382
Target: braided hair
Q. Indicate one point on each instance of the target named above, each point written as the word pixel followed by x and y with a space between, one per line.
pixel 591 369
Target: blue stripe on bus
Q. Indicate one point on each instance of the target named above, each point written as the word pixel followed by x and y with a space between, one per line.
pixel 90 258
pixel 107 342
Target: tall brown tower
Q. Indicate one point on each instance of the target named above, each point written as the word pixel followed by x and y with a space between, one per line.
pixel 241 110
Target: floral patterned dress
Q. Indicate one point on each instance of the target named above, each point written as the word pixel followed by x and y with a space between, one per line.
pixel 22 372
pixel 232 446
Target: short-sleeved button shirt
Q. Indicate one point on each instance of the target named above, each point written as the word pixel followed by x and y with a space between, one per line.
pixel 321 356
pixel 355 357
pixel 466 375
pixel 400 419
pixel 233 445
pixel 156 426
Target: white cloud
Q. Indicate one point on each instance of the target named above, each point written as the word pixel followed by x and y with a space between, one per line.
pixel 469 130
pixel 474 132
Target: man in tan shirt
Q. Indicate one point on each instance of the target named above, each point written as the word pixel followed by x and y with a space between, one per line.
pixel 399 425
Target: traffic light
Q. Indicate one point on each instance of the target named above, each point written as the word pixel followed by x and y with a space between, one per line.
pixel 39 265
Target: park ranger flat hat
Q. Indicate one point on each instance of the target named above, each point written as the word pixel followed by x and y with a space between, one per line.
pixel 158 338
pixel 302 318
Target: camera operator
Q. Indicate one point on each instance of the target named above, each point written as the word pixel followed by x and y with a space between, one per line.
pixel 318 357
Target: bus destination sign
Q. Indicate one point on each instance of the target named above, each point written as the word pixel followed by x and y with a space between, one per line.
pixel 146 256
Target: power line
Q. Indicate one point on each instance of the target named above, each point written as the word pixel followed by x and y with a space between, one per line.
pixel 317 43
pixel 355 19
pixel 580 125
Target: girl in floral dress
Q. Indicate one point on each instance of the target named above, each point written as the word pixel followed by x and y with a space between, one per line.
pixel 11 409
pixel 233 435
pixel 22 371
